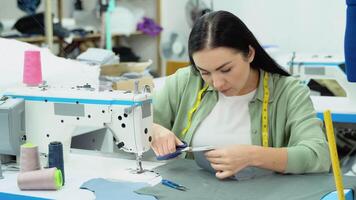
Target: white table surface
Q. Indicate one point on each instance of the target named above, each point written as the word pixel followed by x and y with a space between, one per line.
pixel 81 167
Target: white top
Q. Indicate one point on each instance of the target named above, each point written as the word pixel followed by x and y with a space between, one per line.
pixel 228 123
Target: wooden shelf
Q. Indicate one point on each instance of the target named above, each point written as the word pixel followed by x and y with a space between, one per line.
pixel 93 36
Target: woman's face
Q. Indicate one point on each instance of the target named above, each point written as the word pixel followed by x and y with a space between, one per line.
pixel 226 70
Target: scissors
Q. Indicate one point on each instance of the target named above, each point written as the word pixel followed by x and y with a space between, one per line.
pixel 184 148
pixel 173 185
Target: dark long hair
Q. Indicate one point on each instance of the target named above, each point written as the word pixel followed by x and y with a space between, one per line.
pixel 224 29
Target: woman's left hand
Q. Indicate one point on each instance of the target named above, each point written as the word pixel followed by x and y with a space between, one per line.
pixel 227 161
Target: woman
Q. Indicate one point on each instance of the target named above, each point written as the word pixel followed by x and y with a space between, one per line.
pixel 220 100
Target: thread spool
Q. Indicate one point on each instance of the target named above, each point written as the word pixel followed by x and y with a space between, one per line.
pixel 44 179
pixel 29 158
pixel 32 72
pixel 55 157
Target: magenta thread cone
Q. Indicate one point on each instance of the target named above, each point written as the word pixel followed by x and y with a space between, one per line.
pixel 32 72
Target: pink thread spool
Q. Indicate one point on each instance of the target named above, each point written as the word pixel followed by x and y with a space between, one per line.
pixel 29 158
pixel 44 179
pixel 32 72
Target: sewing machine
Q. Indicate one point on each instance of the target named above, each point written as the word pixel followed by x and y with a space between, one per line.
pixel 343 108
pixel 52 114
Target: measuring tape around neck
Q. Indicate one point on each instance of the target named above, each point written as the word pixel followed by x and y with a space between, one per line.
pixel 191 111
pixel 265 111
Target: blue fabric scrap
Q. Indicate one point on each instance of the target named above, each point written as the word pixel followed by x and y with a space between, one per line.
pixel 105 189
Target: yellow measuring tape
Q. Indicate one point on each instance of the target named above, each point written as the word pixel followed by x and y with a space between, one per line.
pixel 264 111
pixel 333 155
pixel 190 113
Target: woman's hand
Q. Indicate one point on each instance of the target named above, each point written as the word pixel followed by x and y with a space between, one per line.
pixel 227 161
pixel 164 141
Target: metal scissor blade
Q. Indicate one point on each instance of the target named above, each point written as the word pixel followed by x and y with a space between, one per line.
pixel 197 149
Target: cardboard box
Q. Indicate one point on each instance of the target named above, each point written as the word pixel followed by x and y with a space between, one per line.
pixel 130 84
pixel 118 69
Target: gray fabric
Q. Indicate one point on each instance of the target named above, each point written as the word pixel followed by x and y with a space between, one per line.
pixel 245 174
pixel 203 185
pixel 105 189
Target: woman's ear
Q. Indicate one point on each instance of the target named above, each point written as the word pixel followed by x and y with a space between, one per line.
pixel 251 54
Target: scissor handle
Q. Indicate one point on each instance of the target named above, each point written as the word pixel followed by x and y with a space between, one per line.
pixel 174 185
pixel 174 154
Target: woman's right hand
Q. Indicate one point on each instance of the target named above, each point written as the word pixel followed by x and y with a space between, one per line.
pixel 164 141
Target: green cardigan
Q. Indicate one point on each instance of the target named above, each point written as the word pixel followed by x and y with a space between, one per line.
pixel 292 118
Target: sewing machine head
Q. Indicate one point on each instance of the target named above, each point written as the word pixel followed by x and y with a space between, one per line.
pixel 52 114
